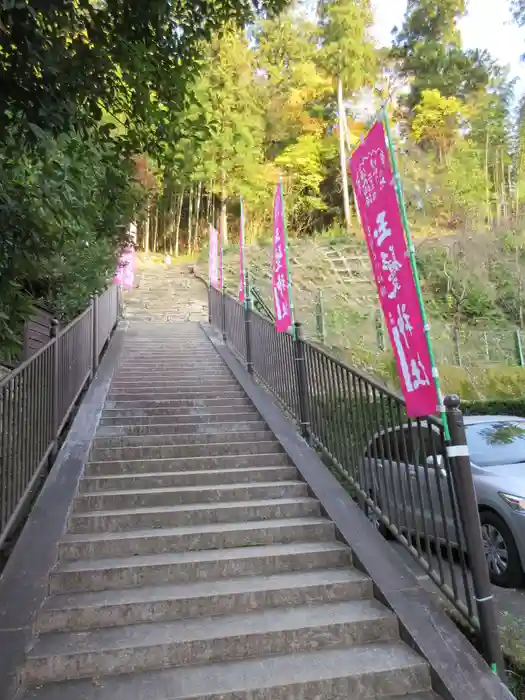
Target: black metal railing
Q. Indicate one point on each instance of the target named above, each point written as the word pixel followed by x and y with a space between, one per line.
pixel 36 402
pixel 402 472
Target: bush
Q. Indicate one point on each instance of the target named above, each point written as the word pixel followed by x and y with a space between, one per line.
pixel 509 407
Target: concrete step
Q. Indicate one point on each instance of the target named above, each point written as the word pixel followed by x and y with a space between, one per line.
pixel 161 405
pixel 183 567
pixel 199 537
pixel 153 498
pixel 233 447
pixel 83 611
pixel 65 656
pixel 198 383
pixel 198 427
pixel 202 477
pixel 240 461
pixel 203 393
pixel 172 379
pixel 225 434
pixel 193 514
pixel 229 414
pixel 176 407
pixel 350 673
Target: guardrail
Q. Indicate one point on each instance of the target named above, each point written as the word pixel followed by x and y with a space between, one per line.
pixel 401 471
pixel 37 399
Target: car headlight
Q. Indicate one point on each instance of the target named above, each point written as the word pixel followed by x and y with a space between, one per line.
pixel 517 503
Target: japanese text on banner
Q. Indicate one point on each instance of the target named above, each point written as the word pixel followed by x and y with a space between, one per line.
pixel 214 272
pixel 280 283
pixel 376 197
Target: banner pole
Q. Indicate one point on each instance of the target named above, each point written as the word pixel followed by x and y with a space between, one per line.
pixel 413 264
pixel 288 270
pixel 243 260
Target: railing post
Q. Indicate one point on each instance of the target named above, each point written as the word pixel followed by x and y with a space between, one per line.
pixel 223 315
pixel 94 334
pixel 248 307
pixel 53 332
pixel 469 514
pixel 302 385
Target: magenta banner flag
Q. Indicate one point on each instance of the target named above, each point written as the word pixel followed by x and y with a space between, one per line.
pixel 214 268
pixel 376 197
pixel 126 266
pixel 282 302
pixel 242 269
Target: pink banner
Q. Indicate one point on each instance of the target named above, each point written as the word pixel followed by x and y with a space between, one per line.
pixel 214 269
pixel 376 198
pixel 242 272
pixel 280 282
pixel 126 266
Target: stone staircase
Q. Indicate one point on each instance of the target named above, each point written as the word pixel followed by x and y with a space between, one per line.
pixel 165 293
pixel 197 564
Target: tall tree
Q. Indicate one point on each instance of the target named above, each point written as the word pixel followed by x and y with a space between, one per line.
pixel 428 46
pixel 347 54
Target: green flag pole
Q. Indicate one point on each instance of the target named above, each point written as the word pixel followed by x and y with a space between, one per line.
pixel 413 264
pixel 288 270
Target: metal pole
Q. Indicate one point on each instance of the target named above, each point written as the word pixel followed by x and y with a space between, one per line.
pixel 302 384
pixel 94 334
pixel 209 304
pixel 468 510
pixel 248 305
pixel 319 315
pixel 519 348
pixel 53 332
pixel 223 314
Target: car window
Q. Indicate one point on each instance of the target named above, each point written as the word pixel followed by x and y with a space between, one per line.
pixel 497 443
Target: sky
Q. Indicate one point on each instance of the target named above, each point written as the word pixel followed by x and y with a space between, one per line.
pixel 484 27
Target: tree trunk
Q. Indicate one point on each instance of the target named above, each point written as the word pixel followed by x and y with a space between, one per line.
pixel 487 181
pixel 177 228
pixel 156 226
pixel 146 231
pixel 190 218
pixel 197 212
pixel 209 212
pixel 169 226
pixel 342 155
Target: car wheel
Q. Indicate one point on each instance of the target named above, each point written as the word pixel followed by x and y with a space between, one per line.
pixel 501 552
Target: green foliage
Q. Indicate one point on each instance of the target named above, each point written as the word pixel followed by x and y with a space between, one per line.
pixel 64 204
pixel 495 407
pixel 428 47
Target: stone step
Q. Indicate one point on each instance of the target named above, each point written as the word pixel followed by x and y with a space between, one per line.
pixel 198 427
pixel 349 673
pixel 202 477
pixel 161 405
pixel 171 379
pixel 200 537
pixel 153 498
pixel 83 611
pixel 233 447
pixel 227 415
pixel 208 434
pixel 170 368
pixel 193 514
pixel 170 394
pixel 240 461
pixel 65 656
pixel 184 567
